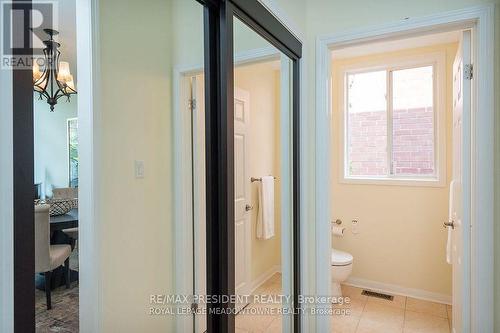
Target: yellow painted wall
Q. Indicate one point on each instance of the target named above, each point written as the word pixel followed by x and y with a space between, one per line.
pixel 135 124
pixel 401 240
pixel 262 82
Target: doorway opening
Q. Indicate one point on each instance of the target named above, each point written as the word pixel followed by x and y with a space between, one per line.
pixel 56 181
pixel 399 149
pixel 474 93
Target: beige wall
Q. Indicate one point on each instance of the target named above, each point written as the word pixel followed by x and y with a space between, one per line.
pixel 262 82
pixel 135 214
pixel 401 240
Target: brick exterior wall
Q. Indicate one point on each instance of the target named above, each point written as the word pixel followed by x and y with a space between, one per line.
pixel 367 143
pixel 413 142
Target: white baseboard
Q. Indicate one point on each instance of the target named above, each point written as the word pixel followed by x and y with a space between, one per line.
pixel 399 290
pixel 257 282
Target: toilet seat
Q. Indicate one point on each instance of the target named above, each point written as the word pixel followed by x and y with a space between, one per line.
pixel 341 258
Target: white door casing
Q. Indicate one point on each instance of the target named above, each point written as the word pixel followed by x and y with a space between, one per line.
pixel 197 107
pixel 286 184
pixel 461 230
pixel 242 198
pixel 6 203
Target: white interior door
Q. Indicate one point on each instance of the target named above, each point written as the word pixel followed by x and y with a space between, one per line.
pixel 459 213
pixel 199 199
pixel 242 204
pixel 242 226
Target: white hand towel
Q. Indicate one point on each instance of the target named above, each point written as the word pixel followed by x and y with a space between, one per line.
pixel 450 218
pixel 265 215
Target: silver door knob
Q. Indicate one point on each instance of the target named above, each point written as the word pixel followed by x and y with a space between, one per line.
pixel 449 224
pixel 248 207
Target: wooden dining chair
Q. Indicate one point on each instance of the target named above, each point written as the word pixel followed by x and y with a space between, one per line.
pixel 48 257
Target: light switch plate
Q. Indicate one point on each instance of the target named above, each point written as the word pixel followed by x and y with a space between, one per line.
pixel 139 169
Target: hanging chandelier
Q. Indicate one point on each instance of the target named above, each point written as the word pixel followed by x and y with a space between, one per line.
pixel 52 79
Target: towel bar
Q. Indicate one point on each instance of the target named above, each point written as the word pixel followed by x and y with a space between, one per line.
pixel 253 179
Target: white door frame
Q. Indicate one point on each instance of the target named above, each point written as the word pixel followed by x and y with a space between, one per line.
pixel 481 20
pixel 88 57
pixel 182 172
pixel 88 101
pixel 6 204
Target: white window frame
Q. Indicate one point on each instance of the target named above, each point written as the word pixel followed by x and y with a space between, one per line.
pixel 68 150
pixel 390 64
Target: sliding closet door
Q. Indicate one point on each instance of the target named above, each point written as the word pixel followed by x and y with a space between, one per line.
pixel 252 163
pixel 17 158
pixel 236 167
pixel 263 225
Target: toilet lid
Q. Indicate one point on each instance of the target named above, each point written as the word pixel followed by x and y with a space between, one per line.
pixel 341 258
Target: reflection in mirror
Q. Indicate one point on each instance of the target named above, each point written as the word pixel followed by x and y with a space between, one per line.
pixel 56 169
pixel 262 171
pixel 188 94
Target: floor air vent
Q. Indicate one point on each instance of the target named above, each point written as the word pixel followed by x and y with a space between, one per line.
pixel 377 295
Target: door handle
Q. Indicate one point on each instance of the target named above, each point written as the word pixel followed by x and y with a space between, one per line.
pixel 248 207
pixel 449 224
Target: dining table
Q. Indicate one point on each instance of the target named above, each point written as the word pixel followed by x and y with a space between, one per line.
pixel 57 224
pixel 65 221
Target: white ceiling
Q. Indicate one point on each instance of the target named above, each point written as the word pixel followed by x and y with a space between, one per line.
pixel 395 45
pixel 67 30
pixel 270 64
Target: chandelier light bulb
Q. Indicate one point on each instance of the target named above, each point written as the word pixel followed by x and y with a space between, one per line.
pixel 64 72
pixel 37 74
pixel 70 84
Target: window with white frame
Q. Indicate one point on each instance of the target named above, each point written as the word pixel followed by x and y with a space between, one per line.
pixel 391 120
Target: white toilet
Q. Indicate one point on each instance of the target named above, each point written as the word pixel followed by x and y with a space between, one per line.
pixel 341 269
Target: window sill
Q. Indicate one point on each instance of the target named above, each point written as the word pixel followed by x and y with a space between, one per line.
pixel 414 182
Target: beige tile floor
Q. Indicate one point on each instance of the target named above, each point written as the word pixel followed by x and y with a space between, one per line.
pixel 363 314
pixel 402 315
pixel 260 323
